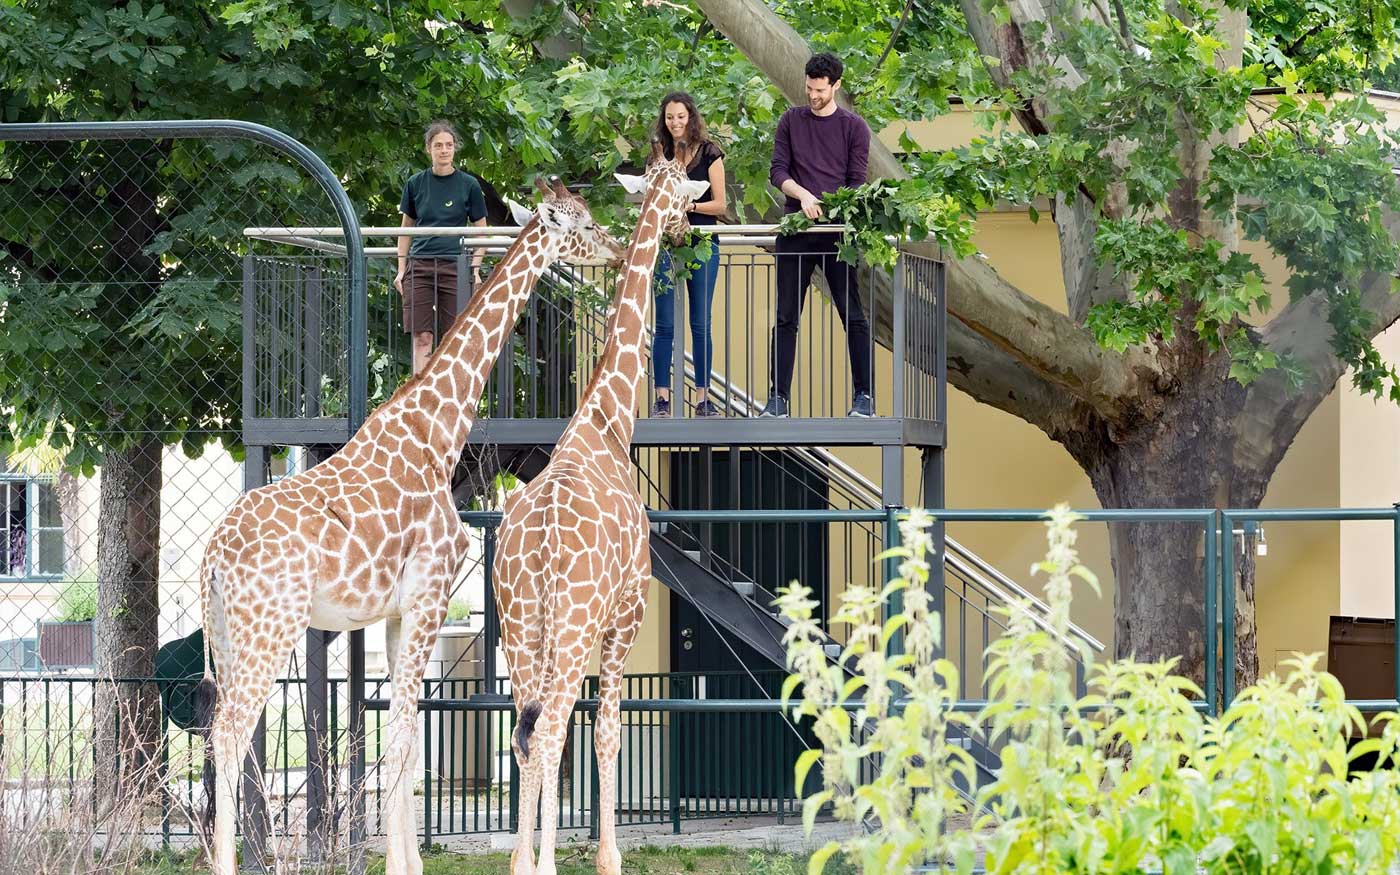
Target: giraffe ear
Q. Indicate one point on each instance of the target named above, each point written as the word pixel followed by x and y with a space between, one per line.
pixel 693 188
pixel 521 214
pixel 633 184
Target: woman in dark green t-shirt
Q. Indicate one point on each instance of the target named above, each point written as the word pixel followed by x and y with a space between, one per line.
pixel 442 196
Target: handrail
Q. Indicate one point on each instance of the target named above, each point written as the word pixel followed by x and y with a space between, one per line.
pixel 507 231
pixel 857 483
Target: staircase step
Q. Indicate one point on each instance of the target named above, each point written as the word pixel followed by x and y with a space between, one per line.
pixel 660 528
pixel 743 587
pixel 693 554
pixel 833 651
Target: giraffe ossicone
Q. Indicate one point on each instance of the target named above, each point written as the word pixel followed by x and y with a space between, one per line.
pixel 371 533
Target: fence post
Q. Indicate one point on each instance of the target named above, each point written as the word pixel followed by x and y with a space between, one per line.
pixel 674 749
pixel 1395 596
pixel 355 748
pixel 1227 609
pixel 427 778
pixel 1212 581
pixel 900 342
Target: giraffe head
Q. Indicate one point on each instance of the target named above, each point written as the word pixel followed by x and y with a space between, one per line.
pixel 569 227
pixel 667 181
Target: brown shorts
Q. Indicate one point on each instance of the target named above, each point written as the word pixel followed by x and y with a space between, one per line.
pixel 429 295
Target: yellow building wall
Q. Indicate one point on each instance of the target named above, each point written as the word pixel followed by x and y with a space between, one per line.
pixel 1341 457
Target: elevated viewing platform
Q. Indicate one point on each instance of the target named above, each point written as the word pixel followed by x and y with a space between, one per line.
pixel 300 340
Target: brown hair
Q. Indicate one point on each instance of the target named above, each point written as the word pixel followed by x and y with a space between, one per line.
pixel 441 126
pixel 695 134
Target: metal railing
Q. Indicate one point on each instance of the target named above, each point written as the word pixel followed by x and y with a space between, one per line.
pixel 561 332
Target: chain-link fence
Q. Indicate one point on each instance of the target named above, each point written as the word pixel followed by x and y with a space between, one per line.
pixel 121 413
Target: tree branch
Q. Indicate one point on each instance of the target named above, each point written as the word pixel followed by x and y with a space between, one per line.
pixel 1301 332
pixel 1043 341
pixel 1048 343
pixel 894 36
pixel 557 46
pixel 991 376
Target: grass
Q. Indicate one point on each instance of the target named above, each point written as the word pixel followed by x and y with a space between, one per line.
pixel 577 859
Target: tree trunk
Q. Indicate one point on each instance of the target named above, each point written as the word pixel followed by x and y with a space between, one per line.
pixel 1184 460
pixel 127 715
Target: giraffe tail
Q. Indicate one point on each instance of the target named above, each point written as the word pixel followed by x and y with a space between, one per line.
pixel 525 727
pixel 531 710
pixel 206 695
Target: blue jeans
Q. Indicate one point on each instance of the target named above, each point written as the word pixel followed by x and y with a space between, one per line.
pixel 701 284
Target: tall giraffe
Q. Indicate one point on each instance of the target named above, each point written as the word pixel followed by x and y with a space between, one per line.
pixel 371 533
pixel 573 554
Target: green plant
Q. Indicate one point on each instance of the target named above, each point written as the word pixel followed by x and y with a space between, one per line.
pixel 913 793
pixel 1129 778
pixel 457 610
pixel 77 601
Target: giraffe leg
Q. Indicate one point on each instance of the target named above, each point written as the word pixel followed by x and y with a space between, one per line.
pixel 522 859
pixel 247 666
pixel 418 633
pixel 550 735
pixel 607 732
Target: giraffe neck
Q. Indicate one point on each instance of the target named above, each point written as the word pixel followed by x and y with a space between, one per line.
pixel 608 408
pixel 440 403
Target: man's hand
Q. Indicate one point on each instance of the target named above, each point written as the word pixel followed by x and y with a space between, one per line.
pixel 811 207
pixel 398 281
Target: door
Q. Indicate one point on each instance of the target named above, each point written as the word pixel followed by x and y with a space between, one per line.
pixel 741 756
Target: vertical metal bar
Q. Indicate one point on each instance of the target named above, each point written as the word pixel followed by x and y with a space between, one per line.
pixel 427 777
pixel 934 498
pixel 1227 609
pixel 674 749
pixel 250 358
pixel 1212 581
pixel 357 380
pixel 317 748
pixel 491 631
pixel 256 825
pixel 941 343
pixel 514 781
pixel 677 383
pixel 594 790
pixel 896 605
pixel 355 746
pixel 900 335
pixel 1395 596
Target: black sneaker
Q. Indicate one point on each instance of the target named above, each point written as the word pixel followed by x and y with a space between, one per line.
pixel 661 408
pixel 707 409
pixel 777 406
pixel 862 405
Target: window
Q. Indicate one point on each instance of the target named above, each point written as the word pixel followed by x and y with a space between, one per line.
pixel 32 543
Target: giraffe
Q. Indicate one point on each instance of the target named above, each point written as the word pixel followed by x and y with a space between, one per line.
pixel 573 554
pixel 371 533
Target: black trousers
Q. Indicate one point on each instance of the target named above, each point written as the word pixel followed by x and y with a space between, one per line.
pixel 797 256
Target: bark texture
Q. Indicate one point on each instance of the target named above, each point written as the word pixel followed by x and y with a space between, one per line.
pixel 127 712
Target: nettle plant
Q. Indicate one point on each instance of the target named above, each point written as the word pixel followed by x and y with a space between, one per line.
pixel 1131 777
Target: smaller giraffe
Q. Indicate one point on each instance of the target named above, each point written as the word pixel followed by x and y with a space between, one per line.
pixel 574 549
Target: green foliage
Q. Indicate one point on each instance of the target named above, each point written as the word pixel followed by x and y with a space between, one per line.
pixel 77 601
pixel 1310 177
pixel 913 794
pixel 879 215
pixel 458 610
pixel 1129 778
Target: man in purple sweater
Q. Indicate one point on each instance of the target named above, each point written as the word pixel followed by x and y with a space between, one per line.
pixel 818 148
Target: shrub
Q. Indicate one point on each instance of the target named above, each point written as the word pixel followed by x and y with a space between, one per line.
pixel 1128 778
pixel 77 602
